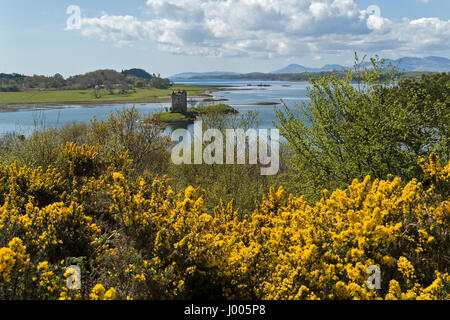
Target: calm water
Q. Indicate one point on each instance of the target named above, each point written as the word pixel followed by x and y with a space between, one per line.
pixel 243 100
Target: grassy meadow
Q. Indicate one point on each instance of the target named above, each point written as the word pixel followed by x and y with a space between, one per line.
pixel 88 96
pixel 169 116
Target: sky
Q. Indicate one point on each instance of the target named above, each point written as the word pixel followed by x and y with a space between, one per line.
pixel 173 36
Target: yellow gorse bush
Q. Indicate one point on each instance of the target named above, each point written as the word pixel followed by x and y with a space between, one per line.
pixel 12 258
pixel 82 160
pixel 433 169
pixel 99 293
pixel 288 249
pixel 34 211
pixel 138 237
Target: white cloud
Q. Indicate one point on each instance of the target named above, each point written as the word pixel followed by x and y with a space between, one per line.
pixel 269 28
pixel 319 10
pixel 375 22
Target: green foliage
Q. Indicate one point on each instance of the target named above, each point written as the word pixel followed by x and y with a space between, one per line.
pixel 159 83
pixel 126 129
pixel 213 108
pixel 376 127
pixel 138 73
pixel 167 116
pixel 425 107
pixel 240 183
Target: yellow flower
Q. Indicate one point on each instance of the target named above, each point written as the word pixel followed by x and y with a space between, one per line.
pixel 99 293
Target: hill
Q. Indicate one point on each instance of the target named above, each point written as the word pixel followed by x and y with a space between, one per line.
pixel 297 72
pixel 405 64
pixel 138 73
pixel 431 64
pixel 105 78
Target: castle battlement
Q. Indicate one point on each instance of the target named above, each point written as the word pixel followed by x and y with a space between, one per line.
pixel 179 102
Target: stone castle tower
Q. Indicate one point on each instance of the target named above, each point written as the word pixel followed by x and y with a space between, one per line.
pixel 179 102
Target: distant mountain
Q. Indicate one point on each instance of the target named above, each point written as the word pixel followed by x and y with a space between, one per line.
pixel 189 75
pixel 297 68
pixel 432 64
pixel 406 64
pixel 292 68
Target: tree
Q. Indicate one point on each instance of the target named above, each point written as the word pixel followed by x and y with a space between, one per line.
pixel 124 88
pixel 375 127
pixel 139 84
pixel 138 73
pixel 159 83
pixel 109 86
pixel 97 92
pixel 57 81
pixel 426 103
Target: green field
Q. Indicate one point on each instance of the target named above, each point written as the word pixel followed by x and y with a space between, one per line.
pixel 87 96
pixel 168 116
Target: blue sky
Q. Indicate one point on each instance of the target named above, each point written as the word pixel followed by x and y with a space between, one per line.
pixel 206 35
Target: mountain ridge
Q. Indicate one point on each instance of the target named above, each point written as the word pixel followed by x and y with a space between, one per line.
pixel 190 75
pixel 298 68
pixel 404 64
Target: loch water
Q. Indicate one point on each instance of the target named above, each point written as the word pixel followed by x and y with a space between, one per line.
pixel 243 95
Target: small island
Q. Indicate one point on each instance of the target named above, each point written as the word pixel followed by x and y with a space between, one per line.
pixel 180 114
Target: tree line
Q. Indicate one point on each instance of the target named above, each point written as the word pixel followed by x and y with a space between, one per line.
pixel 107 79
